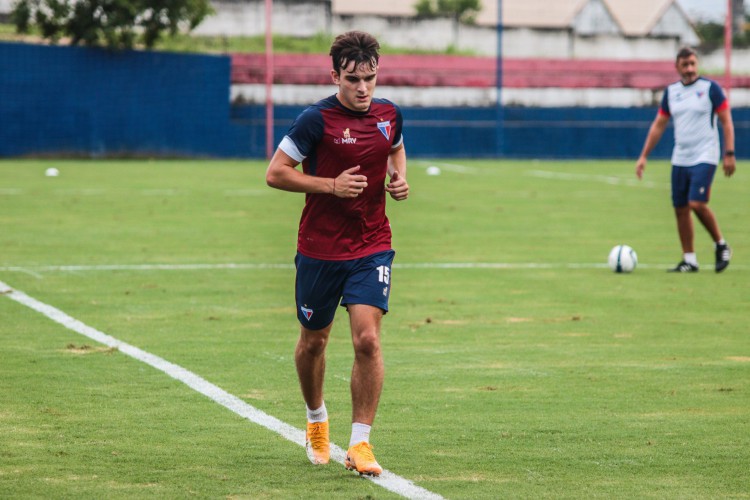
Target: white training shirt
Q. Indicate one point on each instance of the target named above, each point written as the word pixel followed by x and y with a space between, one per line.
pixel 693 108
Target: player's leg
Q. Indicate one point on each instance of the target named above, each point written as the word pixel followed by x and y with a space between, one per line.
pixel 685 228
pixel 309 358
pixel 700 191
pixel 366 386
pixel 368 371
pixel 366 295
pixel 317 293
pixel 684 218
pixel 707 218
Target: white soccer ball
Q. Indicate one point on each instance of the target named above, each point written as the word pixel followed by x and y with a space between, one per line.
pixel 433 170
pixel 622 259
pixel 52 172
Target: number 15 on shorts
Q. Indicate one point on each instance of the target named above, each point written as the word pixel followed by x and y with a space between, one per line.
pixel 384 274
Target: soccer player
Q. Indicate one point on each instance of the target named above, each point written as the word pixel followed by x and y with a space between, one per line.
pixel 694 102
pixel 347 144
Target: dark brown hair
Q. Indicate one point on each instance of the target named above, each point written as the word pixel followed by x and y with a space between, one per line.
pixel 356 46
pixel 685 52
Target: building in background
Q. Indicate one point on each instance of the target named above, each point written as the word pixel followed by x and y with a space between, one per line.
pixel 611 29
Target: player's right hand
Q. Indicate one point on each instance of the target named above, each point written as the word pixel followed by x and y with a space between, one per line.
pixel 349 184
pixel 640 167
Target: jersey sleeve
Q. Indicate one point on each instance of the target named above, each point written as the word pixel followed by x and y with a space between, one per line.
pixel 398 137
pixel 718 99
pixel 664 108
pixel 304 134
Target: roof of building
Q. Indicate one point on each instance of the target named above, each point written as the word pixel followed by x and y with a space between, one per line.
pixel 638 17
pixel 634 17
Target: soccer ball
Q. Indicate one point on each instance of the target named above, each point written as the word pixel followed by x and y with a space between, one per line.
pixel 622 259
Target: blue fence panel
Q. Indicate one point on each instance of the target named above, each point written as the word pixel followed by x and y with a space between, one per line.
pixel 93 102
pixel 81 101
pixel 434 132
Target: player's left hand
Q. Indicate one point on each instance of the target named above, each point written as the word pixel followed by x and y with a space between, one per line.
pixel 397 187
pixel 730 164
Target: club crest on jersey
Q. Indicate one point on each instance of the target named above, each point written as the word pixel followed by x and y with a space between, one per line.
pixel 700 94
pixel 385 129
pixel 307 312
pixel 346 139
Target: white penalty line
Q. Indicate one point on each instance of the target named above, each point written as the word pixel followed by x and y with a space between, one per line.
pixel 387 479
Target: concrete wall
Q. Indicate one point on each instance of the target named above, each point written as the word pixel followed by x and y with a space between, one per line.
pixel 248 19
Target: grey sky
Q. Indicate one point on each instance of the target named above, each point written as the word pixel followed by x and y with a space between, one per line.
pixel 707 10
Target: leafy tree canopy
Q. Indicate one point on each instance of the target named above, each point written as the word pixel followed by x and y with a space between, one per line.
pixel 712 37
pixel 118 24
pixel 461 10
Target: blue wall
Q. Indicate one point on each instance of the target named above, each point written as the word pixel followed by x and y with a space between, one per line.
pixel 91 102
pixel 71 100
pixel 526 132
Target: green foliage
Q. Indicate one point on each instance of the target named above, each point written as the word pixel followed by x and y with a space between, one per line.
pixel 712 37
pixel 117 24
pixel 318 44
pixel 185 42
pixel 461 10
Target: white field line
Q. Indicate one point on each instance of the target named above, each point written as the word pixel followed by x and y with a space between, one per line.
pixel 37 270
pixel 144 267
pixel 387 480
pixel 142 192
pixel 606 179
pixel 451 167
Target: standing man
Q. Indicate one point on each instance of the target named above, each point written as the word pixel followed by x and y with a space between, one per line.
pixel 347 143
pixel 694 102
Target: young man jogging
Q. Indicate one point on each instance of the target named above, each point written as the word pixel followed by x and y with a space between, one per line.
pixel 694 103
pixel 347 144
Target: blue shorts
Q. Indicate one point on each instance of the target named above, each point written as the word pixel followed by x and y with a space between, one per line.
pixel 691 183
pixel 322 284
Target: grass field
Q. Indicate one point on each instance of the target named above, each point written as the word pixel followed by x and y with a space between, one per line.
pixel 517 364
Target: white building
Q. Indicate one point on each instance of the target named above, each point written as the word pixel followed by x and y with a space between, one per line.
pixel 610 29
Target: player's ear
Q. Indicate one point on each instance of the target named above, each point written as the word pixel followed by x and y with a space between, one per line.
pixel 335 77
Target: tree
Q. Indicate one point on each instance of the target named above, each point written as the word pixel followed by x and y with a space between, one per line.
pixel 738 17
pixel 459 10
pixel 117 24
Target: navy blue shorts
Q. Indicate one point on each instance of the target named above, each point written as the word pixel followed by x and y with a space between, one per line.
pixel 322 285
pixel 692 183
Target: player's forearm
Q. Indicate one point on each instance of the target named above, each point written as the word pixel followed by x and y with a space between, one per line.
pixel 653 138
pixel 291 179
pixel 282 174
pixel 728 136
pixel 397 162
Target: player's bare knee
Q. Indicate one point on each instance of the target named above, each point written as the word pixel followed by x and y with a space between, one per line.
pixel 313 343
pixel 367 343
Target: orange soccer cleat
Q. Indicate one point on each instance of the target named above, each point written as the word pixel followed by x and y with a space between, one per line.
pixel 317 444
pixel 360 458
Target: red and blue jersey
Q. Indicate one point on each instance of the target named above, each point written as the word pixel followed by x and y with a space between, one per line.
pixel 694 109
pixel 327 139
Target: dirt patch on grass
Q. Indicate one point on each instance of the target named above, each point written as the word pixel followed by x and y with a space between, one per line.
pixel 87 349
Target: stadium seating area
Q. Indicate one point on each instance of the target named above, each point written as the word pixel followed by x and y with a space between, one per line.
pixel 461 71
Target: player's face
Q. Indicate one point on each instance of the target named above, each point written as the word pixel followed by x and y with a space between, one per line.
pixel 687 67
pixel 356 85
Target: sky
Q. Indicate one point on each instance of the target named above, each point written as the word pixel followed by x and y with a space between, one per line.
pixel 707 10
